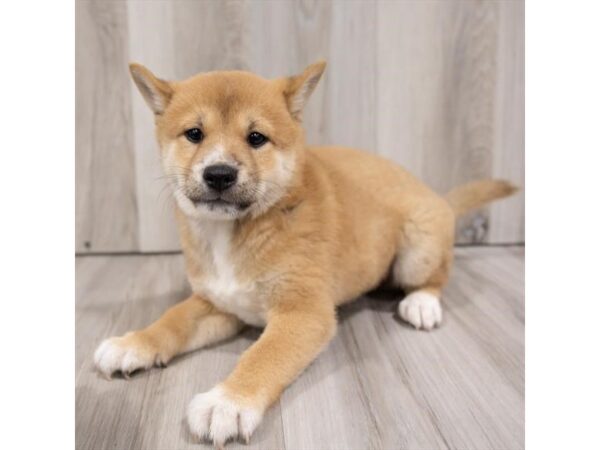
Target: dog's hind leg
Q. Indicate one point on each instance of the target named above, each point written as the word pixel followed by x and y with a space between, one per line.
pixel 423 263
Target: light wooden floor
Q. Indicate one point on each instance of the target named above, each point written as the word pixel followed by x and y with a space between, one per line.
pixel 379 385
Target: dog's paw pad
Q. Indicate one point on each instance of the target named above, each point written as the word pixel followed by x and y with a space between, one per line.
pixel 421 309
pixel 122 354
pixel 214 416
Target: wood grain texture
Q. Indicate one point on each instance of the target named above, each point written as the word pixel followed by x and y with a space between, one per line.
pixel 449 66
pixel 105 199
pixel 507 219
pixel 154 48
pixel 437 86
pixel 379 384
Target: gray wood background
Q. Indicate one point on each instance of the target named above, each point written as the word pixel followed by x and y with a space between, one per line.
pixel 437 86
pixel 379 385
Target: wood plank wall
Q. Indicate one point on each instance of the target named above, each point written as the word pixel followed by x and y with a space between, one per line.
pixel 437 86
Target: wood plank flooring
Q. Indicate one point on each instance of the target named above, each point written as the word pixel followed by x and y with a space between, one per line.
pixel 379 384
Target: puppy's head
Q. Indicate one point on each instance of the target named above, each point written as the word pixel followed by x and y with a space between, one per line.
pixel 231 142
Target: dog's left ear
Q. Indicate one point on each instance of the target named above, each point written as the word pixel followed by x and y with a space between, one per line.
pixel 299 88
pixel 155 91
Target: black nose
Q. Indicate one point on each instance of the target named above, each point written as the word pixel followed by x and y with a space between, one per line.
pixel 220 176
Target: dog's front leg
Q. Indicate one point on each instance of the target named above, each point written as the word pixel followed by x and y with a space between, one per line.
pixel 295 333
pixel 190 324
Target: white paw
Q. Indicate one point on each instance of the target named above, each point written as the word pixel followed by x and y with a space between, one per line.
pixel 421 309
pixel 125 354
pixel 215 416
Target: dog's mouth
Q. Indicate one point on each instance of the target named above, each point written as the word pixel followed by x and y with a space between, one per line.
pixel 238 199
pixel 221 202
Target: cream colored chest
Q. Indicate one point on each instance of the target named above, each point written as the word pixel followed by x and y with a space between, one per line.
pixel 220 283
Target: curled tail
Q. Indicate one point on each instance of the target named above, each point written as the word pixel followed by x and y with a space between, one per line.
pixel 477 193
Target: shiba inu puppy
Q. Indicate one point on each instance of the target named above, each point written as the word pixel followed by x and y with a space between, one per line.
pixel 277 234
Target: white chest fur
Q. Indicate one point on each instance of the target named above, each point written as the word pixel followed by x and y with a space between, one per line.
pixel 219 282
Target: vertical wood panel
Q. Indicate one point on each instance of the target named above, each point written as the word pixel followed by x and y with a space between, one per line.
pixel 471 29
pixel 410 49
pixel 151 42
pixel 436 86
pixel 105 197
pixel 507 218
pixel 438 99
pixel 350 88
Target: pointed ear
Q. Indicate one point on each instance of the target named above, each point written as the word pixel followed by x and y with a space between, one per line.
pixel 155 91
pixel 299 88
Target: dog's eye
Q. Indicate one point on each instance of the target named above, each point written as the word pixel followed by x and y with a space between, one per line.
pixel 256 139
pixel 194 135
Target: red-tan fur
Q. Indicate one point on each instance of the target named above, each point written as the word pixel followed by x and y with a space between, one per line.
pixel 340 223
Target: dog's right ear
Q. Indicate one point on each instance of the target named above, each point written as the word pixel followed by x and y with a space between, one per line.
pixel 155 91
pixel 299 88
